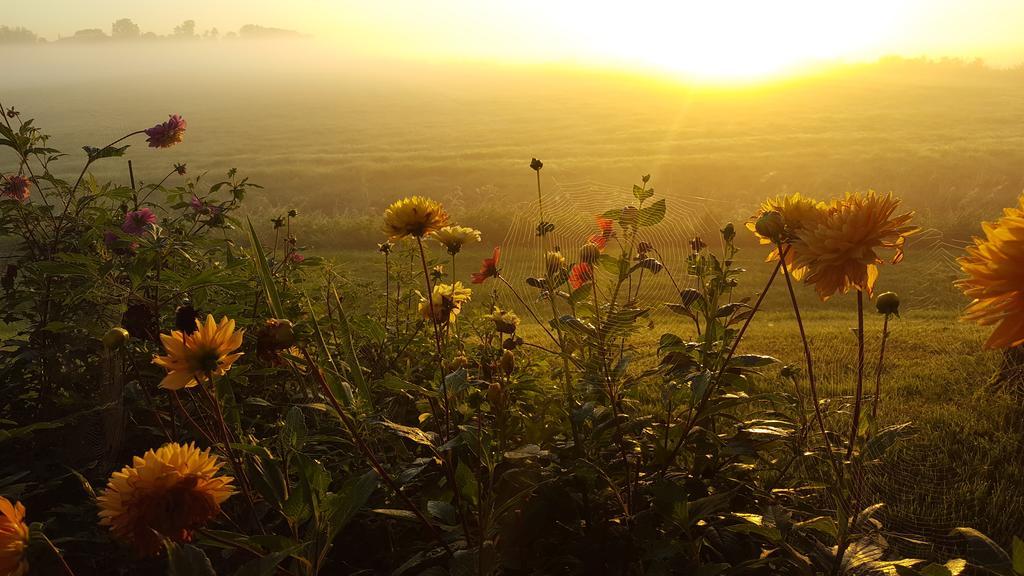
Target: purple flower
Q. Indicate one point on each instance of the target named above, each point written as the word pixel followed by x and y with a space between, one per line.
pixel 167 134
pixel 138 221
pixel 15 187
pixel 197 204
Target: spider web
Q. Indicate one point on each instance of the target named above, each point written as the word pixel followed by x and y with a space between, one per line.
pixel 919 483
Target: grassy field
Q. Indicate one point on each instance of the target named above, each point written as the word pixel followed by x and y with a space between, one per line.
pixel 962 464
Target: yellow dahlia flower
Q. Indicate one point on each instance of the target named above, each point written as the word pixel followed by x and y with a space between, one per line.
pixel 505 321
pixel 208 350
pixel 13 539
pixel 797 212
pixel 839 249
pixel 447 302
pixel 167 493
pixel 455 237
pixel 416 216
pixel 995 279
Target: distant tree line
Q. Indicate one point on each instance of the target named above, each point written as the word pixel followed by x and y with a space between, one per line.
pixel 125 30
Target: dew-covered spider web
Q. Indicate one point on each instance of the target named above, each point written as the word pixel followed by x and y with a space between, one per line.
pixel 926 489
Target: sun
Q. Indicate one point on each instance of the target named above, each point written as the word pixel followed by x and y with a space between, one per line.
pixel 738 40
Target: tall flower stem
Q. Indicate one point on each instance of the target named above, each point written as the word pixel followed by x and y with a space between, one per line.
pixel 60 557
pixel 455 323
pixel 812 382
pixel 528 309
pixel 855 427
pixel 878 369
pixel 437 336
pixel 540 199
pixel 229 451
pixel 387 291
pixel 365 449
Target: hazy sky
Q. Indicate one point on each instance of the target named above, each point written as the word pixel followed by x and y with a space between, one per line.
pixel 714 38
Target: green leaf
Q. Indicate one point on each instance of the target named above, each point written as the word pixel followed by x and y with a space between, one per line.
pixel 295 427
pixel 935 570
pixel 95 154
pixel 264 273
pixel 1018 555
pixel 729 309
pixel 187 560
pixel 580 294
pixel 339 388
pixel 973 534
pixel 399 514
pixel 653 214
pixel 348 350
pixel 342 506
pixel 415 434
pixel 751 361
pixel 642 193
pixel 266 565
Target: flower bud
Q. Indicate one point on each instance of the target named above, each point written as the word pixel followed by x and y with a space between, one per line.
pixel 771 226
pixel 888 303
pixel 508 361
pixel 494 394
pixel 553 263
pixel 281 333
pixel 115 338
pixel 789 371
pixel 697 244
pixel 589 253
pixel 185 318
pixel 729 233
pixel 536 164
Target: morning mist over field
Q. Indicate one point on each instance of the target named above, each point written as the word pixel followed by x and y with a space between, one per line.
pixel 344 134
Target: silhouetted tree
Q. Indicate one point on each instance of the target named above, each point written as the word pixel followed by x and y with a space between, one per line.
pixel 186 29
pixel 88 35
pixel 125 29
pixel 18 35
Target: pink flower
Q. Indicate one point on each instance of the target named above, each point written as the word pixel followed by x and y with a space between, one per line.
pixel 197 204
pixel 138 221
pixel 296 257
pixel 15 187
pixel 167 134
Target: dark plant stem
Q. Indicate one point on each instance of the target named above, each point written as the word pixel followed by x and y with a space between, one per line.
pixel 437 337
pixel 813 384
pixel 387 291
pixel 60 557
pixel 528 309
pixel 202 430
pixel 855 427
pixel 878 370
pixel 365 449
pixel 229 450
